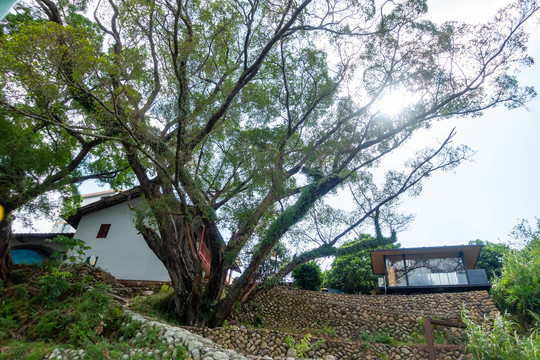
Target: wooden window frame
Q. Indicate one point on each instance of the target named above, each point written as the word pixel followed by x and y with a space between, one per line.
pixel 103 231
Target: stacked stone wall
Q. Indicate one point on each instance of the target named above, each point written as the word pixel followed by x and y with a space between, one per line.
pixel 270 344
pixel 351 316
pixel 349 325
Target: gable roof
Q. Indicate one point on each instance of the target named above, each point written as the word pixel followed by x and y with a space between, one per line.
pixel 470 253
pixel 104 203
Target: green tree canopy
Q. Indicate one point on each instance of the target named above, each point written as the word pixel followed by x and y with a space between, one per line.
pixel 491 257
pixel 39 151
pixel 243 116
pixel 351 271
pixel 308 276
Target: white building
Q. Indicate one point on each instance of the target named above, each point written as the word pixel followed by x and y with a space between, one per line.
pixel 106 223
pixel 61 226
pixel 108 227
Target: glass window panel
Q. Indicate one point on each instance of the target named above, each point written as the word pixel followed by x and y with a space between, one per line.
pixel 433 271
pixel 395 269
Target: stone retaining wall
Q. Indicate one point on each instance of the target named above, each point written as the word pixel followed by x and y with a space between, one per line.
pixel 348 324
pixel 270 344
pixel 351 316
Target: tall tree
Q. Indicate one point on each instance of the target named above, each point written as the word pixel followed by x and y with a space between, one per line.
pixel 245 115
pixel 38 151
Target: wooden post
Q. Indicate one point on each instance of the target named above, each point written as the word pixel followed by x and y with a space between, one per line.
pixel 429 338
pixel 428 326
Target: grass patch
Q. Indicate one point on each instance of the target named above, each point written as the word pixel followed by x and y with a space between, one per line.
pixel 45 309
pixel 17 349
pixel 376 337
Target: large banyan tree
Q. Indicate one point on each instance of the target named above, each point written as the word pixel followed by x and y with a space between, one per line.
pixel 244 115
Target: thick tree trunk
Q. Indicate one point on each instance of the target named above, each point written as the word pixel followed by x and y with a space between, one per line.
pixel 218 265
pixel 5 240
pixel 175 247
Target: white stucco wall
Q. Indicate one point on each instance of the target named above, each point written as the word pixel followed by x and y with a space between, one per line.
pixel 123 253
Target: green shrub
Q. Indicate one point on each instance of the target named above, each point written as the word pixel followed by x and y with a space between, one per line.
pixel 258 320
pixel 7 326
pixel 517 291
pixel 160 305
pixel 59 312
pixel 17 276
pixel 308 276
pixel 49 325
pixel 501 339
pixel 21 292
pixel 53 287
pixel 129 330
pixel 102 351
pixel 351 271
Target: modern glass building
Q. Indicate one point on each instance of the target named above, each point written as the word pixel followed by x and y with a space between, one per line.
pixel 429 269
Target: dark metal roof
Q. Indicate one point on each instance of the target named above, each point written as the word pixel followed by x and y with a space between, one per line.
pixel 22 236
pixel 470 253
pixel 104 203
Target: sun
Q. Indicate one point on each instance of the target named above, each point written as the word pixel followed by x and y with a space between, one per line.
pixel 394 101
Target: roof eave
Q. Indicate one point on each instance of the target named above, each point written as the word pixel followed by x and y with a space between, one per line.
pixel 104 203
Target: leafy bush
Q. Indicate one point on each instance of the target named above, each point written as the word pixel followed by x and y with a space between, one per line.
pixel 308 276
pixel 52 288
pixel 517 291
pixel 501 339
pixel 328 331
pixel 76 248
pixel 49 325
pixel 352 272
pixel 490 257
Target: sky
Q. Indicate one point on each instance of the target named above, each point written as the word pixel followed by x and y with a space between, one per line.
pixel 486 198
pixel 483 199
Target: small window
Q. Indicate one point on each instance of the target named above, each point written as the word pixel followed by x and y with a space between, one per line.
pixel 103 231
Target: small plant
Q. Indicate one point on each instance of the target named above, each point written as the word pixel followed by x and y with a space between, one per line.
pixel 439 338
pixel 328 331
pixel 416 338
pixel 76 248
pixel 304 346
pixel 377 337
pixel 17 276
